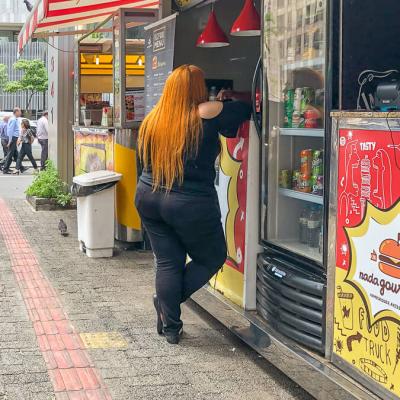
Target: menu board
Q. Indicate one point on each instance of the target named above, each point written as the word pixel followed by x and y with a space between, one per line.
pixel 367 282
pixel 159 52
pixel 134 105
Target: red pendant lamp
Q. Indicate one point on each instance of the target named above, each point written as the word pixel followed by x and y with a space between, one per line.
pixel 213 35
pixel 248 22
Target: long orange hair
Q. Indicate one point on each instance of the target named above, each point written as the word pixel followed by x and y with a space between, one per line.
pixel 171 132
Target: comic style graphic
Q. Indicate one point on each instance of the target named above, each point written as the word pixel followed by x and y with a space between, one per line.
pixel 232 191
pixel 367 301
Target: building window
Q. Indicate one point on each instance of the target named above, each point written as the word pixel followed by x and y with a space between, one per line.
pixel 282 49
pixel 298 45
pixel 299 20
pixel 6 36
pixel 289 20
pixel 281 23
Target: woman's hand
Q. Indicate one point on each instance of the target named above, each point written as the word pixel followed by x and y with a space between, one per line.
pixel 227 94
pixel 18 142
pixel 224 94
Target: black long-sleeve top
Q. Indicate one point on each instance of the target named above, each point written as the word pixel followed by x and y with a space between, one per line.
pixel 199 172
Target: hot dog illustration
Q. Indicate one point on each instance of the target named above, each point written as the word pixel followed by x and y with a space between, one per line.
pixel 389 257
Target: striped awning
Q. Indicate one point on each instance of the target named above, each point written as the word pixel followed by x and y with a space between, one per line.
pixel 54 15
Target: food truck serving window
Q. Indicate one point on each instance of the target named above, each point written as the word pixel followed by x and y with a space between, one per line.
pixel 109 71
pixel 129 62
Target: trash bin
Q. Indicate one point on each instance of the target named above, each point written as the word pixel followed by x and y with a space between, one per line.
pixel 95 193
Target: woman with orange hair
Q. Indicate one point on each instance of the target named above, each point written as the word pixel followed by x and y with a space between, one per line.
pixel 176 198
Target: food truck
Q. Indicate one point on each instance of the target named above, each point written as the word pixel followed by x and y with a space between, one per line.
pixel 308 194
pixel 320 301
pixel 109 106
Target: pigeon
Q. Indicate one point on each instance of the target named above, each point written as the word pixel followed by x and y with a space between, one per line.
pixel 62 227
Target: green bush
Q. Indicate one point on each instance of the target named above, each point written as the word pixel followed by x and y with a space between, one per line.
pixel 48 184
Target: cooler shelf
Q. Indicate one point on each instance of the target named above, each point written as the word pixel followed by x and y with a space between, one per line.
pixel 302 132
pixel 299 248
pixel 312 198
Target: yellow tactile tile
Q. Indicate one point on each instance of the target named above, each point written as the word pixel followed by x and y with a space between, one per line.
pixel 103 340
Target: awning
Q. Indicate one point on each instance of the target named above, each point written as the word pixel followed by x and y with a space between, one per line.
pixel 53 15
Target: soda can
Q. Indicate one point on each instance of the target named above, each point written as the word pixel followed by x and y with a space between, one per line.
pixel 297 120
pixel 313 184
pixel 304 183
pixel 310 119
pixel 295 179
pixel 317 162
pixel 306 161
pixel 298 95
pixel 308 97
pixel 285 179
pixel 287 120
pixel 317 184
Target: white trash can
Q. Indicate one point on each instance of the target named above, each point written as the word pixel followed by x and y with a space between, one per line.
pixel 95 193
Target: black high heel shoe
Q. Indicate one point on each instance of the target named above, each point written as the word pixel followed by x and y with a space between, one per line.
pixel 160 324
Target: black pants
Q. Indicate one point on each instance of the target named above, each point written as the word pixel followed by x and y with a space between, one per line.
pixel 44 143
pixel 179 225
pixel 26 150
pixel 11 154
pixel 4 145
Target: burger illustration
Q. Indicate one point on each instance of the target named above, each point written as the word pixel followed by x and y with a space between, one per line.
pixel 389 257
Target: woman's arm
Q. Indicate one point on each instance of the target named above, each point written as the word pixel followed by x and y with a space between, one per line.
pixel 233 114
pixel 227 94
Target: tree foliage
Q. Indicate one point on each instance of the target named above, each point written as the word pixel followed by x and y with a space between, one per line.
pixel 34 79
pixel 3 75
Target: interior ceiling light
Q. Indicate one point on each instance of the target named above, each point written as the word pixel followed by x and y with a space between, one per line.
pixel 248 23
pixel 97 60
pixel 140 61
pixel 213 35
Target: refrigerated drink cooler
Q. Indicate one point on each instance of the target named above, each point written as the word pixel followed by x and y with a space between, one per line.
pixel 291 278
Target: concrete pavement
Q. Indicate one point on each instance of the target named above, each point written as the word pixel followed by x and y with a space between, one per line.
pixel 78 328
pixel 14 186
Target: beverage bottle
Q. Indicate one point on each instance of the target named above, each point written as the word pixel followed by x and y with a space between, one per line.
pixel 314 227
pixel 288 106
pixel 303 221
pixel 212 96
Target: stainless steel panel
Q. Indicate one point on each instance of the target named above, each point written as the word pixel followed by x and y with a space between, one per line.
pixel 331 244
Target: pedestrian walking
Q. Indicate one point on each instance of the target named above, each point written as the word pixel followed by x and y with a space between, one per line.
pixel 176 196
pixel 25 140
pixel 42 134
pixel 4 141
pixel 4 136
pixel 13 131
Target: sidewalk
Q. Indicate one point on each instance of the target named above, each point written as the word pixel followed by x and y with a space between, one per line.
pixel 77 328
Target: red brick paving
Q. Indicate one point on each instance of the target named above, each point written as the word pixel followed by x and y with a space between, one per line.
pixel 71 371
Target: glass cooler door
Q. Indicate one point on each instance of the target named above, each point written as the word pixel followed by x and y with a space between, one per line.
pixel 294 56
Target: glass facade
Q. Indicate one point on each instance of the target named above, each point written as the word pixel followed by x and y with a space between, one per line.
pixel 294 56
